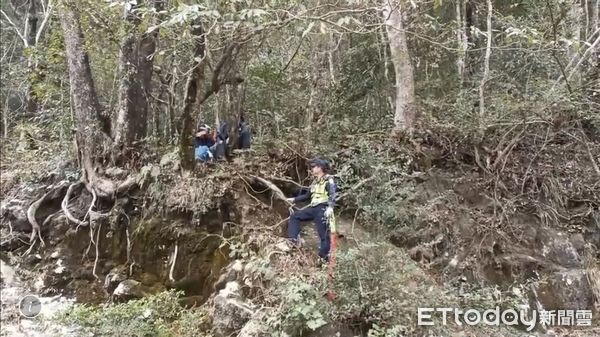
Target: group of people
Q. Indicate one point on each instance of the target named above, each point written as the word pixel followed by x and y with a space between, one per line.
pixel 213 145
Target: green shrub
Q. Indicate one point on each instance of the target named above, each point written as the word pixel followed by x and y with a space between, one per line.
pixel 149 316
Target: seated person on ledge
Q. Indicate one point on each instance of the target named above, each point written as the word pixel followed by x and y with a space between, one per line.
pixel 204 144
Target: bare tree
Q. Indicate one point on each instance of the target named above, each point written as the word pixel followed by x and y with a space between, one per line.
pixel 405 109
pixel 30 35
pixel 92 125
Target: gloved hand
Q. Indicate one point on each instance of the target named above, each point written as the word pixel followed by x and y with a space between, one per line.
pixel 290 200
pixel 328 212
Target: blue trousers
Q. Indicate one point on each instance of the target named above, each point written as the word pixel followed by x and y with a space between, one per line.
pixel 315 214
pixel 202 153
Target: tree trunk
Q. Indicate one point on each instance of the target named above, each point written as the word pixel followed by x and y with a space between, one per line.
pixel 575 16
pixel 461 37
pixel 595 16
pixel 135 67
pixel 315 73
pixel 31 104
pixel 405 109
pixel 192 97
pixel 89 120
pixel 486 69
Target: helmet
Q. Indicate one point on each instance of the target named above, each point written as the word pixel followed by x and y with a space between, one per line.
pixel 204 127
pixel 322 163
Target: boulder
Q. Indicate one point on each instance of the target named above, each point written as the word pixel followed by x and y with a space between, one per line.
pixel 569 289
pixel 578 242
pixel 332 329
pixel 254 328
pixel 128 290
pixel 170 161
pixel 231 312
pixel 232 273
pixel 113 278
pixel 557 248
pixel 16 213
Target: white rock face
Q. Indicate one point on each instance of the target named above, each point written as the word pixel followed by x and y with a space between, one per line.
pixel 231 310
pixel 14 324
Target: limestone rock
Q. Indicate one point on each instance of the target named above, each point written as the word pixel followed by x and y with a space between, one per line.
pixel 232 273
pixel 283 246
pixel 16 213
pixel 568 289
pixel 113 278
pixel 127 290
pixel 558 248
pixel 332 330
pixel 254 328
pixel 578 241
pixel 231 312
pixel 170 161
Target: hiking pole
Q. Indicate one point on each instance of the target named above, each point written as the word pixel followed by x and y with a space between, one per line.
pixel 331 295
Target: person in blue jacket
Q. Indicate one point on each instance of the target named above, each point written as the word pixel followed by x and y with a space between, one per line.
pixel 204 144
pixel 322 201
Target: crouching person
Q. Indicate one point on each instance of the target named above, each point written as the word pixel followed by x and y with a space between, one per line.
pixel 205 143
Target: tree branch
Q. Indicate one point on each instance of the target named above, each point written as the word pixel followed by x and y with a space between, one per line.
pixel 15 28
pixel 47 14
pixel 215 84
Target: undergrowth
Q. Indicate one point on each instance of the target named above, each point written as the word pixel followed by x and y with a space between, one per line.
pixel 156 315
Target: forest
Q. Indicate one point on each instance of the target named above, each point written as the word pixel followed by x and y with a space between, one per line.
pixel 150 151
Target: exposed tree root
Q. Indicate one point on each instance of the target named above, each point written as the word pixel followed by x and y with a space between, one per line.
pixel 278 193
pixel 65 205
pixel 172 269
pixel 87 251
pixel 31 212
pixel 50 217
pixel 92 204
pixel 287 181
pixel 103 187
pixel 97 250
pixel 128 239
pixel 30 249
pixel 126 185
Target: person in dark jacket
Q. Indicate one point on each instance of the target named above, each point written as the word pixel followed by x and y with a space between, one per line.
pixel 222 140
pixel 205 143
pixel 322 197
pixel 243 135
